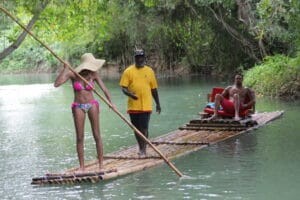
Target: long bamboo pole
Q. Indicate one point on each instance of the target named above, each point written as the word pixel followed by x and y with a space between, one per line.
pixel 96 92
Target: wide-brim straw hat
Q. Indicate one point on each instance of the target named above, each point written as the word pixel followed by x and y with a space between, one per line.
pixel 89 62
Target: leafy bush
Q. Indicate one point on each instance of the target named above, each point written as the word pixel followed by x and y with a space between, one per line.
pixel 278 76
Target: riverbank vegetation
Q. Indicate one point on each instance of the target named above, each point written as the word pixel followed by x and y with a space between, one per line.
pixel 194 36
pixel 278 76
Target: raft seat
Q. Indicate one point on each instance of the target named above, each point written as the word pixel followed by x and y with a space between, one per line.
pixel 210 105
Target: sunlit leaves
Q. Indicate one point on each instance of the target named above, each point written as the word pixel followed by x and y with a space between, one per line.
pixel 174 31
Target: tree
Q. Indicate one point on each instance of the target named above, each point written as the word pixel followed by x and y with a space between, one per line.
pixel 37 10
pixel 221 35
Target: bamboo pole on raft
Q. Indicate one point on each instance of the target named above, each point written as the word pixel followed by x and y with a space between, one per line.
pixel 96 92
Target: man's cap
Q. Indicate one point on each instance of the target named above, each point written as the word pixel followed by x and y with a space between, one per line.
pixel 139 52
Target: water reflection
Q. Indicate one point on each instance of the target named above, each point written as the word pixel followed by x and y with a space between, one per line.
pixel 15 97
pixel 37 136
pixel 19 108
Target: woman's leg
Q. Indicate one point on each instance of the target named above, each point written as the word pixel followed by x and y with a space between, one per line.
pixel 79 118
pixel 94 119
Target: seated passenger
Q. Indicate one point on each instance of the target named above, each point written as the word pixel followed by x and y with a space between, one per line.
pixel 233 99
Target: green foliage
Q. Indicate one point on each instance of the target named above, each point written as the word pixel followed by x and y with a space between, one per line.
pixel 33 58
pixel 166 29
pixel 173 33
pixel 278 76
pixel 278 23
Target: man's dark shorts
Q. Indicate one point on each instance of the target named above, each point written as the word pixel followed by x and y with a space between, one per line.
pixel 140 120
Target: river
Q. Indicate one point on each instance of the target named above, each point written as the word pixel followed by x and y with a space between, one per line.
pixel 37 136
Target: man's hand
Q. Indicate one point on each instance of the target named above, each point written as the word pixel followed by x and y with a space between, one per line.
pixel 158 109
pixel 133 96
pixel 128 93
pixel 244 105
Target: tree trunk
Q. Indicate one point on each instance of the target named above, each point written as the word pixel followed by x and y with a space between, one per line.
pixel 7 51
pixel 249 48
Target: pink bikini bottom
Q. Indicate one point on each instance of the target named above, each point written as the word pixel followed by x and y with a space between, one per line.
pixel 85 106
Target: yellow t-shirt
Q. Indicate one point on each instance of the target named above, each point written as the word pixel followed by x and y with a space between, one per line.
pixel 139 81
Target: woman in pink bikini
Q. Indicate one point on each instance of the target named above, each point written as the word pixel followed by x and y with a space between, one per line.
pixel 84 102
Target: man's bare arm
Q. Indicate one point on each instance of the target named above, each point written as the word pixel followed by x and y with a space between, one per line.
pixel 226 92
pixel 128 93
pixel 251 96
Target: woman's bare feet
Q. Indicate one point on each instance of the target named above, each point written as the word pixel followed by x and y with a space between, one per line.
pixel 101 169
pixel 80 170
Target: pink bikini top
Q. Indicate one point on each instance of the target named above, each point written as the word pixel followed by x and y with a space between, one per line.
pixel 78 86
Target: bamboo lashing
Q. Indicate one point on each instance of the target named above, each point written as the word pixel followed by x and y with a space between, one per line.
pixel 180 143
pixel 132 157
pixel 219 125
pixel 96 92
pixel 199 128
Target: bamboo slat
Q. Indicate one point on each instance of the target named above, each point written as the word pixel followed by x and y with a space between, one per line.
pixel 180 143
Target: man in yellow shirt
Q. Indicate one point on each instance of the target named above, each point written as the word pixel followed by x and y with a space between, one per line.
pixel 139 83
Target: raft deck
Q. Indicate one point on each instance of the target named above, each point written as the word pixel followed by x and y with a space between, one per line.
pixel 196 134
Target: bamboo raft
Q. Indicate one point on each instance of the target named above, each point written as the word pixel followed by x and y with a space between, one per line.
pixel 195 135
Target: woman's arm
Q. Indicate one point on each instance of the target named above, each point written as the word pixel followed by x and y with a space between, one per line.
pixel 102 86
pixel 63 76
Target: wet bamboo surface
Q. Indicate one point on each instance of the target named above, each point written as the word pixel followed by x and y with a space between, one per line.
pixel 191 137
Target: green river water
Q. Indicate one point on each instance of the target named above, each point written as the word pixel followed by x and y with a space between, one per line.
pixel 37 136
